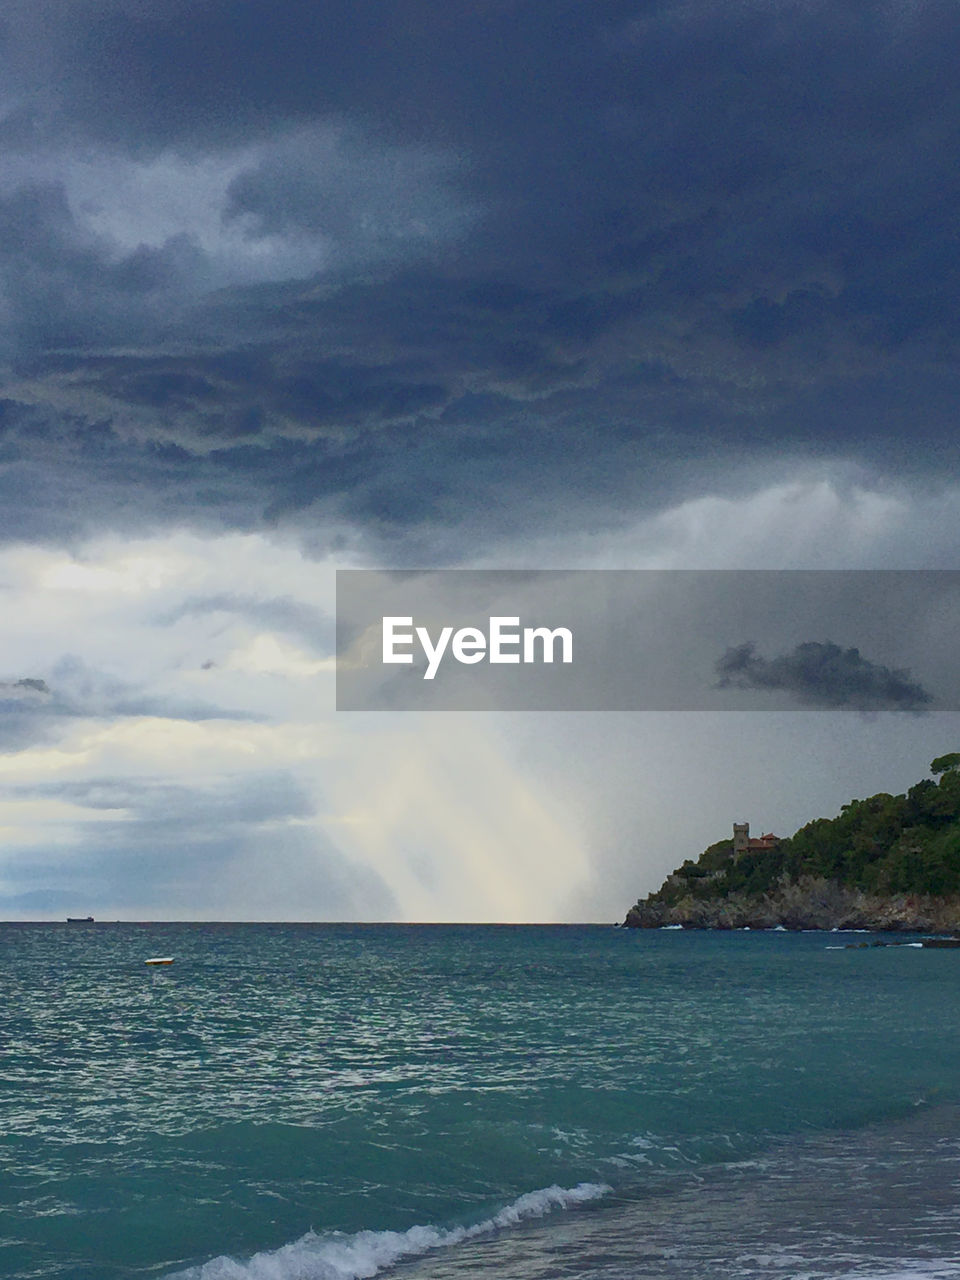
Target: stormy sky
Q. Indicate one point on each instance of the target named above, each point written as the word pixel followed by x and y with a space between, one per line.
pixel 485 283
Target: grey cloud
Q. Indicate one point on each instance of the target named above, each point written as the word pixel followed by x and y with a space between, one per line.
pixel 823 674
pixel 24 713
pixel 65 287
pixel 35 901
pixel 649 244
pixel 196 849
pixel 67 476
pixel 80 690
pixel 258 798
pixel 31 709
pixel 366 201
pixel 281 613
pixel 25 691
pixel 19 729
pixel 205 402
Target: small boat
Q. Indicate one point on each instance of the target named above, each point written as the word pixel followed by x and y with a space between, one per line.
pixel 941 942
pixel 159 960
pixel 79 919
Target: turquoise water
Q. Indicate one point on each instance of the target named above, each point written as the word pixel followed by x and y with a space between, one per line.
pixel 280 1084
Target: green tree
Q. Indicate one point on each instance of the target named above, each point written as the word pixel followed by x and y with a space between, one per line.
pixel 887 843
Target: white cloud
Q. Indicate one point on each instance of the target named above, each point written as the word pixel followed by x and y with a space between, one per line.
pixel 444 816
pixel 266 655
pixel 430 809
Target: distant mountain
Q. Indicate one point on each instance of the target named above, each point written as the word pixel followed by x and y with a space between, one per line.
pixel 888 862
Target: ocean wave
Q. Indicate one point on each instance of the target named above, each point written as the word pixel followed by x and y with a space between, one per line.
pixel 337 1256
pixel 919 1269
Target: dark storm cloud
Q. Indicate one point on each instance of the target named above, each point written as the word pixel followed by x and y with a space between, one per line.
pixel 365 200
pixel 823 675
pixel 218 400
pixel 66 476
pixel 64 287
pixel 570 244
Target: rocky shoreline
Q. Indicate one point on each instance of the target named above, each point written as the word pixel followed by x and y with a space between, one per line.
pixel 809 903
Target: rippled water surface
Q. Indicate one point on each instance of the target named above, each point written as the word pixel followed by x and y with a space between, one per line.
pixel 278 1081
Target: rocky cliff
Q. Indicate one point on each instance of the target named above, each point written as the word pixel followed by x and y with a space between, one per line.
pixel 809 903
pixel 887 862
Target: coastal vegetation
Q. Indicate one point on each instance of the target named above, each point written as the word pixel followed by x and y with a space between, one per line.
pixel 889 861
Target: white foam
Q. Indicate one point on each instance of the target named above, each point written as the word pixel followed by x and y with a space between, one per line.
pixel 336 1256
pixel 907 1269
pixel 885 944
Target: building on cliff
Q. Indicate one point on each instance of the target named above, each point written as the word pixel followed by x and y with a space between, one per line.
pixel 742 843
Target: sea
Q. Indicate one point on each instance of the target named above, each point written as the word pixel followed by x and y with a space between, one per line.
pixel 336 1101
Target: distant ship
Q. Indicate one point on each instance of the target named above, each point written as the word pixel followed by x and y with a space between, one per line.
pixel 79 919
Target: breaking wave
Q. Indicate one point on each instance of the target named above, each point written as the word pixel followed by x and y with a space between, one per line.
pixel 337 1256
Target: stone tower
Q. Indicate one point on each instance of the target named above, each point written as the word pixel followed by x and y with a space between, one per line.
pixel 741 838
